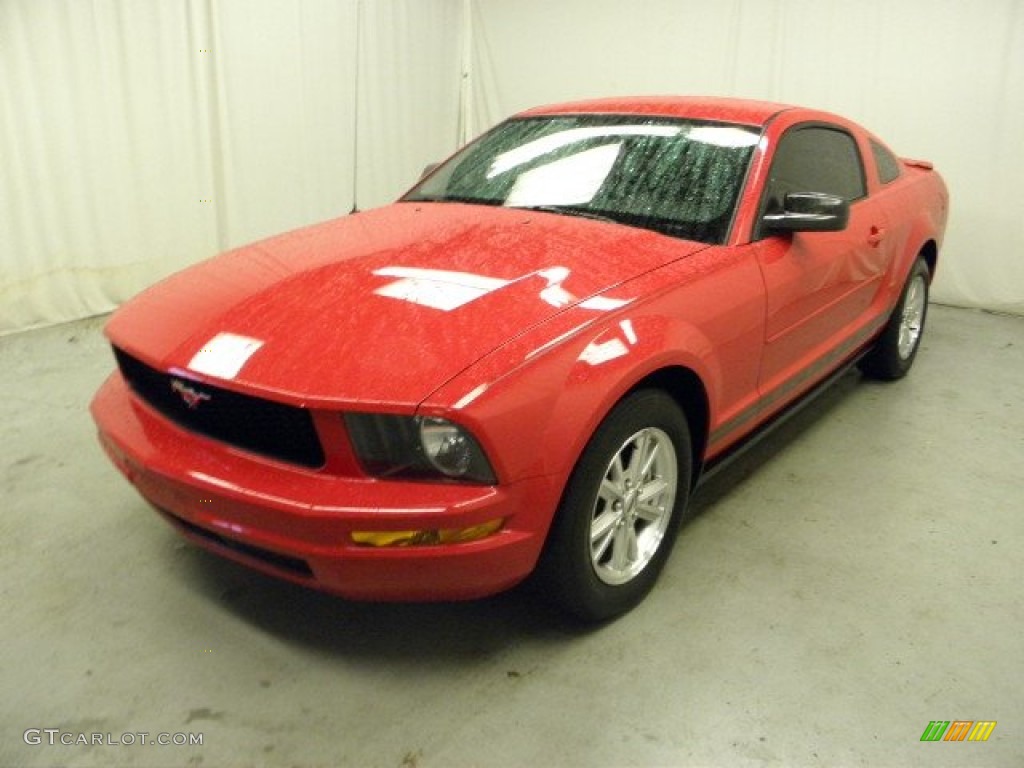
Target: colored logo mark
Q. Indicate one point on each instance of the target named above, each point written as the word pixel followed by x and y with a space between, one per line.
pixel 958 730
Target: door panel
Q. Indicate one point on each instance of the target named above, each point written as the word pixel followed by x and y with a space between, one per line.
pixel 819 284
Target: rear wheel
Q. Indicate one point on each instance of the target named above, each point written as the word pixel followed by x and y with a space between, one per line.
pixel 621 510
pixel 896 348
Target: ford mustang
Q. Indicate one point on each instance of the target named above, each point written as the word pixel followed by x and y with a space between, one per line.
pixel 527 363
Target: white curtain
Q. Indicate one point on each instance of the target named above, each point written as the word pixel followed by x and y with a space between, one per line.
pixel 140 136
pixel 408 113
pixel 106 154
pixel 282 76
pixel 937 79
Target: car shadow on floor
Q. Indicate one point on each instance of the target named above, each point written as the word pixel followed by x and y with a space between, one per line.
pixel 451 630
pixel 438 631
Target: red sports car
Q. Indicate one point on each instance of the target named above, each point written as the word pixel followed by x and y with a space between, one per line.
pixel 528 362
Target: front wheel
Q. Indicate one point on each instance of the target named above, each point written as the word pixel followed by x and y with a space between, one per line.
pixel 896 348
pixel 621 510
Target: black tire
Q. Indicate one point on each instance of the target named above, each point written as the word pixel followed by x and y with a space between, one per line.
pixel 896 348
pixel 612 509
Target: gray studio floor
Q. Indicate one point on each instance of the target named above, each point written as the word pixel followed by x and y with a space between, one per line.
pixel 853 578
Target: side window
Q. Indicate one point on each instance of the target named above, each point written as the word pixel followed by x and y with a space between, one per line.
pixel 886 163
pixel 815 159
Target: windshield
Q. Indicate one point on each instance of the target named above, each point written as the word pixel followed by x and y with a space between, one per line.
pixel 677 177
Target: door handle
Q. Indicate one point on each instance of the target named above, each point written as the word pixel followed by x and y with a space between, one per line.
pixel 876 236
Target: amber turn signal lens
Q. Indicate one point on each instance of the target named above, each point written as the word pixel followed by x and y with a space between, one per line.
pixel 427 537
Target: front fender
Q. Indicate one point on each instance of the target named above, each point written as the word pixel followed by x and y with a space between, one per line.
pixel 534 403
pixel 613 361
pixel 537 420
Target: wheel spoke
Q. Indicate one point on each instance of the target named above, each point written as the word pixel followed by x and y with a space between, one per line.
pixel 616 473
pixel 598 552
pixel 649 512
pixel 651 489
pixel 636 461
pixel 650 459
pixel 600 527
pixel 632 545
pixel 620 549
pixel 609 491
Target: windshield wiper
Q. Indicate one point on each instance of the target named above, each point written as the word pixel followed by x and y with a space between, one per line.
pixel 570 210
pixel 450 199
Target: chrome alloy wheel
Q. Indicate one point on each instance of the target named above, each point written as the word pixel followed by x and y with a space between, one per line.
pixel 633 506
pixel 912 317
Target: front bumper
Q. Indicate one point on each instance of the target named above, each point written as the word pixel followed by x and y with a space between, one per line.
pixel 297 524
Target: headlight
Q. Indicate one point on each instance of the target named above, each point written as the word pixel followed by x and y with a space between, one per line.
pixel 422 447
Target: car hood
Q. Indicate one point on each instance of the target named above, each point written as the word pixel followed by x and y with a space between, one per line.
pixel 382 307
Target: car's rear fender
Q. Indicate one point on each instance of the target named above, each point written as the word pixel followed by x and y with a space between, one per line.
pixel 917 213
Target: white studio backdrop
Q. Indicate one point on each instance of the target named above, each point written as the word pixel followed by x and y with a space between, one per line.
pixel 140 136
pixel 137 138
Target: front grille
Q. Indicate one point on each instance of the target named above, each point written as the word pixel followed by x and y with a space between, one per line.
pixel 265 427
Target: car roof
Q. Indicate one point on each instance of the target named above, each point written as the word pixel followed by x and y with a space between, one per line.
pixel 729 110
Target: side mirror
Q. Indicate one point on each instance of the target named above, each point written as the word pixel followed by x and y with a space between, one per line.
pixel 809 212
pixel 428 169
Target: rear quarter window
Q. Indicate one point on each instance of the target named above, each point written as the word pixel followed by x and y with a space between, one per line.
pixel 885 162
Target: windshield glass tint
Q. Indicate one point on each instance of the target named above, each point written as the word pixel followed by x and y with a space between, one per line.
pixel 677 177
